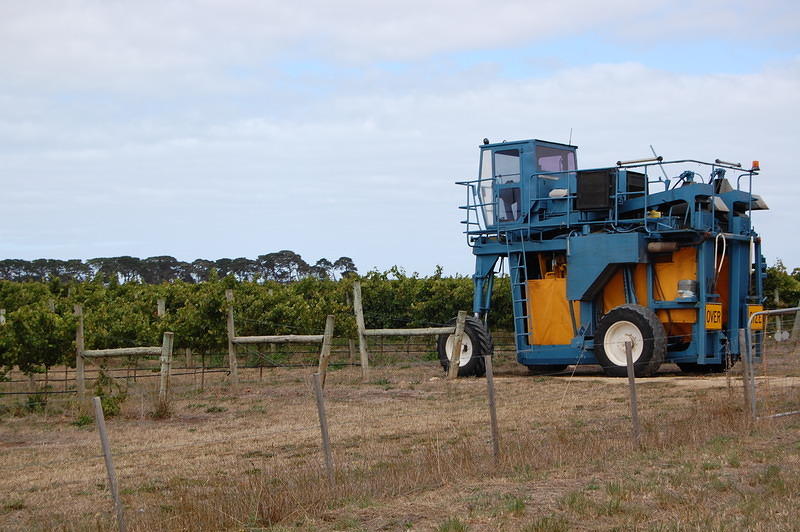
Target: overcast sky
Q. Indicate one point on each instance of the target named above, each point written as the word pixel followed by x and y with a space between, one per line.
pixel 236 128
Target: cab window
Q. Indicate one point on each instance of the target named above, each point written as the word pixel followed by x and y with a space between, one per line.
pixel 554 159
pixel 506 166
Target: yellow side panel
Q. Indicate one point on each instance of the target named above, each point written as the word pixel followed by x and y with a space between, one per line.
pixel 549 320
pixel 667 274
pixel 614 290
pixel 677 315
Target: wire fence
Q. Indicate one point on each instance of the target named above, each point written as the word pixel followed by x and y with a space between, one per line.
pixel 776 366
pixel 405 428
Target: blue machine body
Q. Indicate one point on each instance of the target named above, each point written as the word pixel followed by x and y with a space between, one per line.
pixel 531 203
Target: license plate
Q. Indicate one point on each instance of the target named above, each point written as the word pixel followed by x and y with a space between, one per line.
pixel 714 316
pixel 758 321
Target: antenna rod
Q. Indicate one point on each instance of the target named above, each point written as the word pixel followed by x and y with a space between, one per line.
pixel 659 165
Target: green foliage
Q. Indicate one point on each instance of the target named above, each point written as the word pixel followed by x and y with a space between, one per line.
pixel 124 314
pixel 111 394
pixel 83 420
pixel 788 286
pixel 35 338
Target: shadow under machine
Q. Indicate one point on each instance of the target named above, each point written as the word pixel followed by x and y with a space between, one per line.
pixel 661 254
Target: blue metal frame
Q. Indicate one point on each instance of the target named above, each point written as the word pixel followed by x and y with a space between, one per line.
pixel 596 243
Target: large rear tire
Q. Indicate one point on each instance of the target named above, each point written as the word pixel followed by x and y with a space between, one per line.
pixel 638 325
pixel 477 342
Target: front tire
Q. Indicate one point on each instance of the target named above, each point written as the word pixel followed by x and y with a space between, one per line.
pixel 638 325
pixel 476 344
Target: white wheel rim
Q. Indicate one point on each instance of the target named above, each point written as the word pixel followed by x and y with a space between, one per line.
pixel 466 349
pixel 614 342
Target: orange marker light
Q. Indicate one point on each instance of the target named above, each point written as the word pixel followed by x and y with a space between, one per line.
pixel 756 166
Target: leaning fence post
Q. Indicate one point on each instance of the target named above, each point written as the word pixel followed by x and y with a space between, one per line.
pixel 747 363
pixel 232 362
pixel 161 307
pixel 637 438
pixel 323 426
pixel 362 339
pixel 166 364
pixel 492 408
pixel 458 337
pixel 112 475
pixel 79 348
pixel 325 352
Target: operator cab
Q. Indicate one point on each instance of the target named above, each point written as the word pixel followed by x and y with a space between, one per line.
pixel 517 173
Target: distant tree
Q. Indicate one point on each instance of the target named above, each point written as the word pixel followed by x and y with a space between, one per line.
pixel 345 266
pixel 128 268
pixel 76 270
pixel 223 266
pixel 322 269
pixel 289 266
pixel 200 269
pixel 157 270
pixel 103 267
pixel 243 269
pixel 787 285
pixel 265 264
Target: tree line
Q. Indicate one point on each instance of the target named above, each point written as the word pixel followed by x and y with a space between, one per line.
pixel 39 332
pixel 40 327
pixel 282 266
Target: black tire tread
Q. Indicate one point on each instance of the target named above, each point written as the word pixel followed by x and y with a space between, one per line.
pixel 659 342
pixel 482 344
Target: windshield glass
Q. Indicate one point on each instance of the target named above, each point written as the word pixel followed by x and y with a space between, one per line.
pixel 486 193
pixel 506 166
pixel 554 159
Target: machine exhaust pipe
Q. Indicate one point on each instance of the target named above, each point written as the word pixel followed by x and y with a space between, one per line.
pixel 637 161
pixel 662 247
pixel 726 163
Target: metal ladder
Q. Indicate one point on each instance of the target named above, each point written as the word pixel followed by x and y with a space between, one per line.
pixel 518 268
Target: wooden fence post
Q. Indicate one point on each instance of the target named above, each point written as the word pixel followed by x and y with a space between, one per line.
pixel 51 304
pixel 161 307
pixel 232 362
pixel 323 426
pixel 492 408
pixel 796 325
pixel 79 348
pixel 458 338
pixel 351 346
pixel 2 316
pixel 166 364
pixel 637 438
pixel 112 475
pixel 747 367
pixel 362 340
pixel 325 352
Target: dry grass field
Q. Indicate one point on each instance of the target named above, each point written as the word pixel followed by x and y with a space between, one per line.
pixel 412 452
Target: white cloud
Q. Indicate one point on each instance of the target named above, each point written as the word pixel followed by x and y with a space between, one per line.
pixel 369 174
pixel 93 43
